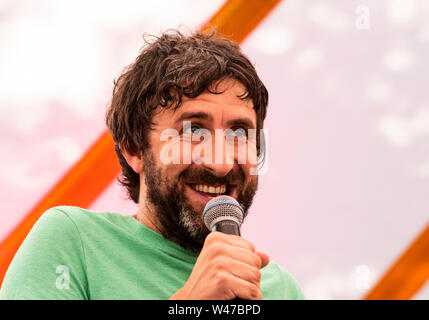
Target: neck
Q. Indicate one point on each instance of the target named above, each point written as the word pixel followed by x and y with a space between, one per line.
pixel 145 217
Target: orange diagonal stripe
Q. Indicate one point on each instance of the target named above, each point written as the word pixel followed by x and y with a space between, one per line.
pixel 236 19
pixel 407 275
pixel 99 166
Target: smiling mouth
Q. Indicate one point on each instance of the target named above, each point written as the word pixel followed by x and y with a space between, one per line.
pixel 210 191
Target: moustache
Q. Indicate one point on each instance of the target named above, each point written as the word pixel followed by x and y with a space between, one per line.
pixel 194 175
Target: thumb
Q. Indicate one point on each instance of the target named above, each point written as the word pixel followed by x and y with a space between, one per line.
pixel 265 259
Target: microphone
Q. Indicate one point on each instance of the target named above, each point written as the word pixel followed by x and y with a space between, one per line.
pixel 223 214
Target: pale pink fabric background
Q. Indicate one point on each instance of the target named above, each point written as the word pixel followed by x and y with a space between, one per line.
pixel 347 182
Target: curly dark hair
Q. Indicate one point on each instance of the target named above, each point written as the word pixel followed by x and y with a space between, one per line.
pixel 168 67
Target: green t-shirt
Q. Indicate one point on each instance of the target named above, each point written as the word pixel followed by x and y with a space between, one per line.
pixel 72 253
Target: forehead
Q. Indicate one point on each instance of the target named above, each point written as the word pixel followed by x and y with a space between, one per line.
pixel 226 105
pixel 230 90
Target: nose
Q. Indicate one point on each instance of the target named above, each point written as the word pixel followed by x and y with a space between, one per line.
pixel 221 159
pixel 219 170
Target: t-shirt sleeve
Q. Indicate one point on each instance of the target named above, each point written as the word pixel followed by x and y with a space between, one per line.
pixel 50 264
pixel 279 284
pixel 292 289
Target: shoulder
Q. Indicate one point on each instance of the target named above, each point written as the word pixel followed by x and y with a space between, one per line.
pixel 56 222
pixel 64 215
pixel 278 284
pixel 70 213
pixel 54 243
pixel 83 225
pixel 57 235
pixel 76 218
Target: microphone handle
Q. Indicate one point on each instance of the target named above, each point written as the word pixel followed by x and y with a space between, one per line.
pixel 228 227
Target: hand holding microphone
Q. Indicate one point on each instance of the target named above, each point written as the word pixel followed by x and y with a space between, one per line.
pixel 228 266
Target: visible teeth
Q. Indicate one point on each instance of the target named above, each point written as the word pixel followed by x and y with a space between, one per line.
pixel 209 189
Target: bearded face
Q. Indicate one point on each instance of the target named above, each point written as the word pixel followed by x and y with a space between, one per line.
pixel 173 195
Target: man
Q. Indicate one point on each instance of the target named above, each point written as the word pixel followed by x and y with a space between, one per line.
pixel 179 90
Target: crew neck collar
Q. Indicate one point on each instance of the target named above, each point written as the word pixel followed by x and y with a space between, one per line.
pixel 160 241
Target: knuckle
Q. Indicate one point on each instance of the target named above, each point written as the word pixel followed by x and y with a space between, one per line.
pixel 256 276
pixel 229 294
pixel 257 262
pixel 255 293
pixel 251 246
pixel 216 250
pixel 214 237
pixel 210 238
pixel 247 244
pixel 221 281
pixel 219 264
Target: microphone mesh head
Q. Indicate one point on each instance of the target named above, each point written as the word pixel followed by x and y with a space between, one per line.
pixel 222 208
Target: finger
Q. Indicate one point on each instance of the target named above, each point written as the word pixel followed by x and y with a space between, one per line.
pixel 245 290
pixel 244 255
pixel 244 271
pixel 234 240
pixel 238 241
pixel 265 259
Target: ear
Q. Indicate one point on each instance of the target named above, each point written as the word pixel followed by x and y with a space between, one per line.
pixel 135 161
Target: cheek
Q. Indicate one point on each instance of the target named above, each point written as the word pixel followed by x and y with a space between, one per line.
pixel 249 174
pixel 178 150
pixel 172 174
pixel 250 186
pixel 246 156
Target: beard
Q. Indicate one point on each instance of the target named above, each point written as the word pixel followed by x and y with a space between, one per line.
pixel 175 217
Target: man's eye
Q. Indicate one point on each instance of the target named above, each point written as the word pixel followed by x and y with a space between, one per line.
pixel 196 130
pixel 239 132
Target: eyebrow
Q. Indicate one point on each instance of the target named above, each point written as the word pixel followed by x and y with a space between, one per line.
pixel 194 115
pixel 205 116
pixel 241 122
